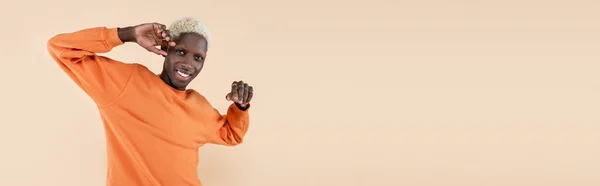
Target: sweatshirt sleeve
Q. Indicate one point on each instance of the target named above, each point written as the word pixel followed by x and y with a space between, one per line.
pixel 102 78
pixel 229 129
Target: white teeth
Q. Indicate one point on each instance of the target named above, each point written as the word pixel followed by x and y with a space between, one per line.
pixel 183 74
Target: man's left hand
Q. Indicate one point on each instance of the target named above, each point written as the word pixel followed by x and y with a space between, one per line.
pixel 241 93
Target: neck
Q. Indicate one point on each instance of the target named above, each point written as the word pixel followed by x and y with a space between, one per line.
pixel 164 76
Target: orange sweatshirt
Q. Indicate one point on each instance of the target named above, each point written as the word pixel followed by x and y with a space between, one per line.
pixel 153 131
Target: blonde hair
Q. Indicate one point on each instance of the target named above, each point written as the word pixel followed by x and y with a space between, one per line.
pixel 190 25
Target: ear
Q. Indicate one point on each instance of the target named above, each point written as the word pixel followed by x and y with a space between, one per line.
pixel 163 47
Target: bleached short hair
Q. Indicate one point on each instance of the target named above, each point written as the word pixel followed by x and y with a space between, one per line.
pixel 187 25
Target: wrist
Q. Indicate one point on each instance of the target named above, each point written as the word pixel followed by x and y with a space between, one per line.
pixel 243 108
pixel 126 34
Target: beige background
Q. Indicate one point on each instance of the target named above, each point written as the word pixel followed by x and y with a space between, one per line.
pixel 381 93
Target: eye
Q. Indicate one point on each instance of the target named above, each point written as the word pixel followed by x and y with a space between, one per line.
pixel 180 52
pixel 198 58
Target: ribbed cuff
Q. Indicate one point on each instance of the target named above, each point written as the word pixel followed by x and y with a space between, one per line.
pixel 111 37
pixel 237 110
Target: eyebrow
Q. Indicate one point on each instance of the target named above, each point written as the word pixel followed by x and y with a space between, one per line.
pixel 201 53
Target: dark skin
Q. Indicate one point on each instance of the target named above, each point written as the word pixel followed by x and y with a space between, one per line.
pixel 184 58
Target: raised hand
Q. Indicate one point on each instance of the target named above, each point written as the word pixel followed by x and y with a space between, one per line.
pixel 148 36
pixel 241 93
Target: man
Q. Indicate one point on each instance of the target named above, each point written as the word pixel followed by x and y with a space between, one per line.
pixel 154 125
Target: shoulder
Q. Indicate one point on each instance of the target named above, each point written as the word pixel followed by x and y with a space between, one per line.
pixel 193 94
pixel 141 70
pixel 138 73
pixel 114 64
pixel 197 97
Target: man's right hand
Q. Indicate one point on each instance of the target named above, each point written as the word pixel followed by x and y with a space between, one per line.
pixel 148 35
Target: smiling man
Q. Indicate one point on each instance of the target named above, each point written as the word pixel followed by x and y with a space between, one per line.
pixel 154 124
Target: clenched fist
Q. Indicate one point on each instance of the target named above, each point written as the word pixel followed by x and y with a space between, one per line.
pixel 241 93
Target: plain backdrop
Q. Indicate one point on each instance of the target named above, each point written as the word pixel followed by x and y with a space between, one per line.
pixel 353 93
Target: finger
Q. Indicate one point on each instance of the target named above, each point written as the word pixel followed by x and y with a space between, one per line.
pixel 246 91
pixel 167 44
pixel 157 28
pixel 157 33
pixel 250 94
pixel 160 26
pixel 156 50
pixel 228 97
pixel 164 46
pixel 167 35
pixel 240 91
pixel 234 92
pixel 160 30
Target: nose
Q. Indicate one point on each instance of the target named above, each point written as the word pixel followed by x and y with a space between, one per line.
pixel 187 63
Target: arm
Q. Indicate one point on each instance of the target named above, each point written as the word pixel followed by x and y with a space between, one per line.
pixel 232 127
pixel 102 78
pixel 229 129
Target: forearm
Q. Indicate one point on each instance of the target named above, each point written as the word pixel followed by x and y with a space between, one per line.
pixel 82 43
pixel 233 126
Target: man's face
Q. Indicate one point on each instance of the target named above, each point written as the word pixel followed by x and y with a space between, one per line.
pixel 185 60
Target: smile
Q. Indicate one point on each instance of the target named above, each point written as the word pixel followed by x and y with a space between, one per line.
pixel 182 75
